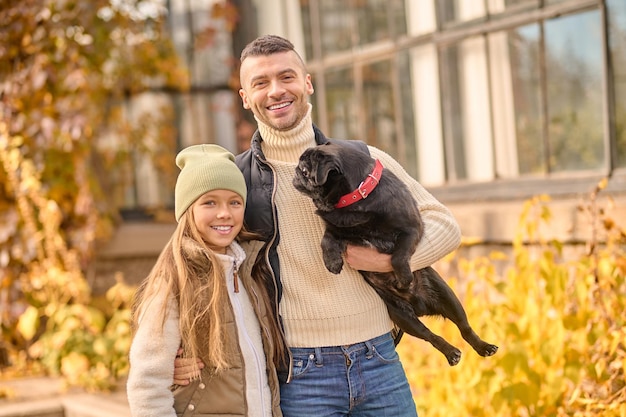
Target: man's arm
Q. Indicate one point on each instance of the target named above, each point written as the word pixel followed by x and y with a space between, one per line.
pixel 364 258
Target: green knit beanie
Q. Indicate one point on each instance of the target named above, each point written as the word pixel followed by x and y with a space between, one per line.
pixel 204 168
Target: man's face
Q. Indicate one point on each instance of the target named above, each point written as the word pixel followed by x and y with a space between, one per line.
pixel 276 88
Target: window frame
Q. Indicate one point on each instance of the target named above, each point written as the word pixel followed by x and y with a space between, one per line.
pixel 453 32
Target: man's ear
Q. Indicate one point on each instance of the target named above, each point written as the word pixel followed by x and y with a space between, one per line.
pixel 244 99
pixel 309 84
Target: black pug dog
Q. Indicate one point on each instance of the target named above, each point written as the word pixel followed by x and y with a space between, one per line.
pixel 339 181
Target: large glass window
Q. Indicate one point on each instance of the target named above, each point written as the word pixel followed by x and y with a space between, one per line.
pixel 307 28
pixel 475 90
pixel 379 20
pixel 499 6
pixel 466 110
pixel 451 11
pixel 524 60
pixel 203 114
pixel 398 17
pixel 337 26
pixel 407 147
pixel 424 90
pixel 452 112
pixel 516 93
pixel 383 102
pixel 574 92
pixel 144 181
pixel 341 103
pixel 574 139
pixel 617 46
pixel 379 107
pixel 350 23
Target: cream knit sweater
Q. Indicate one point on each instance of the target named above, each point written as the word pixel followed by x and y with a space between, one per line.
pixel 318 307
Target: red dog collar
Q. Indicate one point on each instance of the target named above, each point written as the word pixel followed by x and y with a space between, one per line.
pixel 364 189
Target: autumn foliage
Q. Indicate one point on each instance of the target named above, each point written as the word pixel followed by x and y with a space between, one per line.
pixel 559 323
pixel 67 73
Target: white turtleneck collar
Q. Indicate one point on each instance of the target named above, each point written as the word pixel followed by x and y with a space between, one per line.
pixel 287 146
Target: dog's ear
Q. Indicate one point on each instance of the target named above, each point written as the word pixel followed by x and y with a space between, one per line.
pixel 323 164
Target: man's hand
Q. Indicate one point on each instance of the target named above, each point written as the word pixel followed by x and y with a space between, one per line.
pixel 364 258
pixel 184 369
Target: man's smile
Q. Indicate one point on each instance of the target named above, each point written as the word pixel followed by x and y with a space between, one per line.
pixel 279 105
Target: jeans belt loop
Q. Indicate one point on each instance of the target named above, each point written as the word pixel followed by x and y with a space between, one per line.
pixel 319 361
pixel 370 349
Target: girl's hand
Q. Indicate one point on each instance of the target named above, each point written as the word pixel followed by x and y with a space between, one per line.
pixel 184 369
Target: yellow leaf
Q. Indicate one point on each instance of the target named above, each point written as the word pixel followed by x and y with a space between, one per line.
pixel 74 365
pixel 28 323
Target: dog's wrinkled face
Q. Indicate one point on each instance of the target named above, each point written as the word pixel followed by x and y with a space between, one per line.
pixel 316 174
pixel 313 170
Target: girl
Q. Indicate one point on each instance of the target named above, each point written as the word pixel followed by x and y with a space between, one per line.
pixel 195 301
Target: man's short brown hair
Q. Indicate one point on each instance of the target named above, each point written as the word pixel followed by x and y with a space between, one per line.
pixel 268 45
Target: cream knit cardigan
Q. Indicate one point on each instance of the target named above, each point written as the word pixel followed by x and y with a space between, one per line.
pixel 318 307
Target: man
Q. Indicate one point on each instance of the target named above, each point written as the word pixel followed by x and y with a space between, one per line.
pixel 342 355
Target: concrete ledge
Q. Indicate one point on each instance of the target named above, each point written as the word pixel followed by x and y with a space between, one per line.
pixel 47 397
pixel 132 240
pixel 33 408
pixel 101 405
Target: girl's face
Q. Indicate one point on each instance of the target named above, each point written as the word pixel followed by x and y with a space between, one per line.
pixel 218 215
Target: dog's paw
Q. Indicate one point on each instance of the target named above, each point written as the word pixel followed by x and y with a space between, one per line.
pixel 454 357
pixel 488 350
pixel 334 266
pixel 332 261
pixel 403 281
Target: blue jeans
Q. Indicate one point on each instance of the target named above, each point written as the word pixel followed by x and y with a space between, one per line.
pixel 361 380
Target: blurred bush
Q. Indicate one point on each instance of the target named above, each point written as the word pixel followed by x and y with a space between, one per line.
pixel 67 70
pixel 67 73
pixel 86 344
pixel 559 325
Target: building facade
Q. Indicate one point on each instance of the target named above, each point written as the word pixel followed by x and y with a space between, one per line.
pixel 486 102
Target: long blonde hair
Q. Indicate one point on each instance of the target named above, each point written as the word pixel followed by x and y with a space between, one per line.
pixel 188 271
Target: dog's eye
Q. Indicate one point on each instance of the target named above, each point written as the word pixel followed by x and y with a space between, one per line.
pixel 305 172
